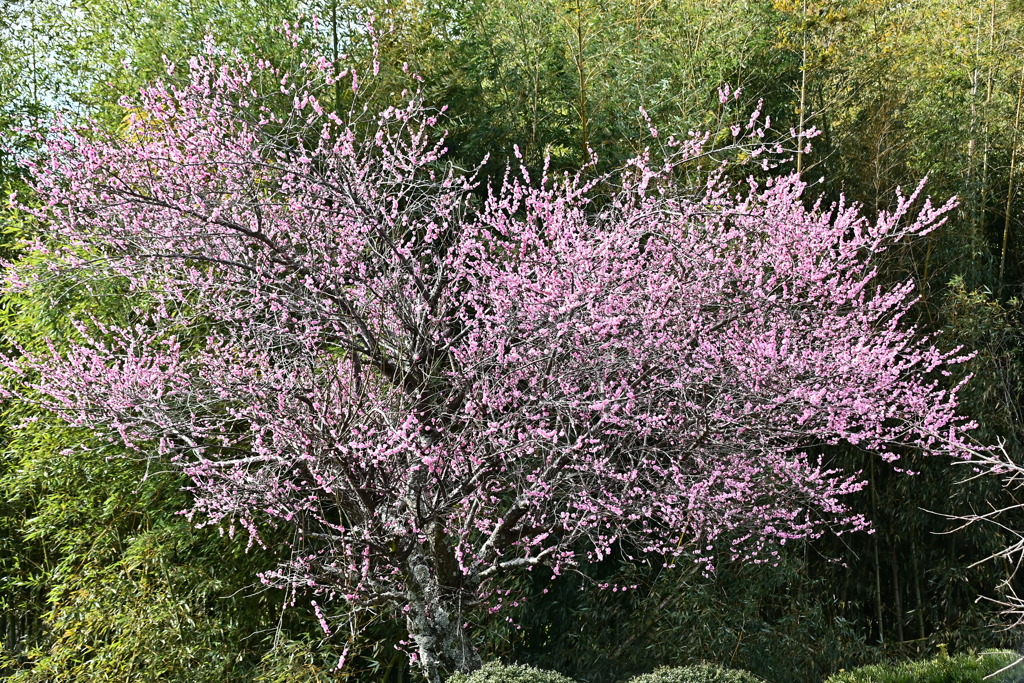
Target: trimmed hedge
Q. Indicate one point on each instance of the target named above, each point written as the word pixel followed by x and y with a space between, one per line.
pixel 968 668
pixel 496 672
pixel 698 673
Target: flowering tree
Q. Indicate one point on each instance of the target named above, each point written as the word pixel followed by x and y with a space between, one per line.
pixel 332 329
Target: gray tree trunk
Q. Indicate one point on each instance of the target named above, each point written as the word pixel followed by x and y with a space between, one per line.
pixel 434 620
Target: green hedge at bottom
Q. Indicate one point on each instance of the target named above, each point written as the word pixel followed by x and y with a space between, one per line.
pixel 495 672
pixel 697 673
pixel 966 668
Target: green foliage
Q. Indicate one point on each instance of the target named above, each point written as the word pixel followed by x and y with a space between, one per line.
pixel 142 34
pixel 114 584
pixel 495 672
pixel 555 78
pixel 994 331
pixel 697 673
pixel 965 668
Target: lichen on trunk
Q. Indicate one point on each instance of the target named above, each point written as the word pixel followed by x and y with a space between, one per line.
pixel 434 617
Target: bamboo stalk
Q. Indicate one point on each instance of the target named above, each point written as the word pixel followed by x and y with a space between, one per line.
pixel 1010 188
pixel 878 568
pixel 803 88
pixel 917 591
pixel 898 602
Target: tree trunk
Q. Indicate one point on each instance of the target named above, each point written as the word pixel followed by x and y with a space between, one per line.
pixel 434 620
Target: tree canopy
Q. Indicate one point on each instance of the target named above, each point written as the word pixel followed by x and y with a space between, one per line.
pixel 331 330
pixel 101 577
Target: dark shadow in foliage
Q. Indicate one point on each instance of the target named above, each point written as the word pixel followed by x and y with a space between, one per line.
pixel 776 622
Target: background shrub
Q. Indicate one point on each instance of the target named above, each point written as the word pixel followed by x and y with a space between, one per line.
pixel 698 673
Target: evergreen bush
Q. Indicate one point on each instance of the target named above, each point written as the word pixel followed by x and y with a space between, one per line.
pixel 965 668
pixel 496 672
pixel 698 673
